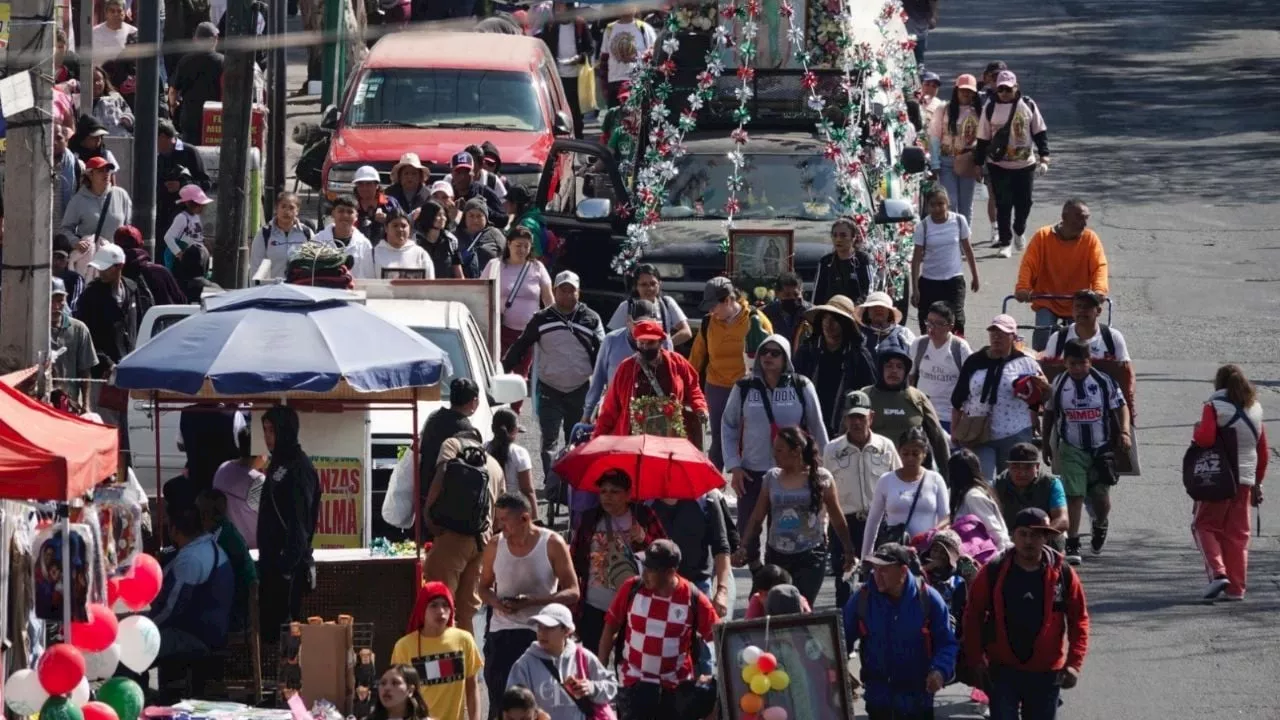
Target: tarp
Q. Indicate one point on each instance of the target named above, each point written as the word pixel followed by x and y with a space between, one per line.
pixel 283 339
pixel 46 454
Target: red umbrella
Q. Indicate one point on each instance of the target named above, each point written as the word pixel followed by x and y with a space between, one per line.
pixel 659 467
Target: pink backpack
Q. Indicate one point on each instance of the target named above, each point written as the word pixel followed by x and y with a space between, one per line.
pixel 975 541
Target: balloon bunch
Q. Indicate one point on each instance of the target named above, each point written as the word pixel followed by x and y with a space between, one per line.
pixel 762 675
pixel 58 687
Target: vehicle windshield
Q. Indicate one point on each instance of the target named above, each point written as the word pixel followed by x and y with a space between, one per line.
pixel 445 98
pixel 450 341
pixel 775 186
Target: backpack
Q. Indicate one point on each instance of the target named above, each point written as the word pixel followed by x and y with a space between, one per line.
pixel 465 500
pixel 798 381
pixel 1107 339
pixel 914 380
pixel 864 607
pixel 265 234
pixel 755 328
pixel 1213 474
pixel 1000 139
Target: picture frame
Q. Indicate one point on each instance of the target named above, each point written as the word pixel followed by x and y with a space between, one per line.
pixel 810 648
pixel 760 254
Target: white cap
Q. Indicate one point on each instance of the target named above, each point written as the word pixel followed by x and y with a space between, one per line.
pixel 568 277
pixel 366 173
pixel 443 186
pixel 108 255
pixel 555 615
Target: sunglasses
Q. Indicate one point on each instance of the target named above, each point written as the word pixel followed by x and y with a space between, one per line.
pixel 1004 89
pixel 771 352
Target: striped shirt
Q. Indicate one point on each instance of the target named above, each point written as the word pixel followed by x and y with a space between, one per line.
pixel 1083 408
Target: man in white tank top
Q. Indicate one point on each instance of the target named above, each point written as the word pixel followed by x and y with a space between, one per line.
pixel 524 569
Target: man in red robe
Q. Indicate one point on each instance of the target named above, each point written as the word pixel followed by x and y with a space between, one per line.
pixel 654 392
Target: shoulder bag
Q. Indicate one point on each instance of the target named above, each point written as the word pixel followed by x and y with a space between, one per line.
pixel 899 533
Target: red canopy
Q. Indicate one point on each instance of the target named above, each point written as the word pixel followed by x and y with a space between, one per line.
pixel 46 454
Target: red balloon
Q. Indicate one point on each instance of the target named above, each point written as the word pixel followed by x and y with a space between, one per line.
pixel 767 663
pixel 98 711
pixel 99 633
pixel 142 584
pixel 113 591
pixel 60 669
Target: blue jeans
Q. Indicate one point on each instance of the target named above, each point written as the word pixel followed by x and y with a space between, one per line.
pixel 959 189
pixel 1045 320
pixel 1036 693
pixel 994 454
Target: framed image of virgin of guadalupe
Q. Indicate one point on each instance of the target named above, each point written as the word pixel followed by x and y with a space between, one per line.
pixel 759 256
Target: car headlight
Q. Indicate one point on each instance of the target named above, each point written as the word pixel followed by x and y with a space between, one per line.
pixel 669 270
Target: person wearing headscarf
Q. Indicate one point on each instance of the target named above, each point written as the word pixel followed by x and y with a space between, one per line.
pixel 287 519
pixel 479 240
pixel 192 270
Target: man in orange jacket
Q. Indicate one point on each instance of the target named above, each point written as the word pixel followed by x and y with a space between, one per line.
pixel 1021 607
pixel 1060 260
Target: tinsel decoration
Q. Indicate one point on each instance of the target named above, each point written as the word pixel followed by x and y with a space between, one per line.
pixel 746 13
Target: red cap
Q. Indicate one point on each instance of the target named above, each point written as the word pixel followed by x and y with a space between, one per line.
pixel 648 330
pixel 98 163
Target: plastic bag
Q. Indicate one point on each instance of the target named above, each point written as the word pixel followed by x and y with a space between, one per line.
pixel 398 507
pixel 586 88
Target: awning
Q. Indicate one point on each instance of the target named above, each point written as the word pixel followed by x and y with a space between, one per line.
pixel 46 454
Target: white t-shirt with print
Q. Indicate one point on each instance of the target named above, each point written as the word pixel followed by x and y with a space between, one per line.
pixel 625 43
pixel 943 258
pixel 1097 346
pixel 1010 415
pixel 938 371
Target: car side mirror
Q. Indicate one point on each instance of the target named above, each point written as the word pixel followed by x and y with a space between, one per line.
pixel 895 210
pixel 563 125
pixel 594 209
pixel 329 121
pixel 914 160
pixel 506 389
pixel 914 115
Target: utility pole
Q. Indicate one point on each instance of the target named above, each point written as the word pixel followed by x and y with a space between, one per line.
pixel 148 114
pixel 278 88
pixel 233 156
pixel 28 192
pixel 84 14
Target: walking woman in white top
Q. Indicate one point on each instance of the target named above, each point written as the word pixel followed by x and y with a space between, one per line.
pixel 937 274
pixel 1221 527
pixel 971 495
pixel 909 500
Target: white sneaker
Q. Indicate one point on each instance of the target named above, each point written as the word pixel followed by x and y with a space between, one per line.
pixel 1019 243
pixel 1006 251
pixel 995 236
pixel 1215 588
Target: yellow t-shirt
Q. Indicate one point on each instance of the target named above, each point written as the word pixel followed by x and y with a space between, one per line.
pixel 444 663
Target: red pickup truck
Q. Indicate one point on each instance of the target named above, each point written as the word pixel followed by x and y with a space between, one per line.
pixel 436 93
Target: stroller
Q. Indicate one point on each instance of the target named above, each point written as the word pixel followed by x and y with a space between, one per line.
pixel 559 491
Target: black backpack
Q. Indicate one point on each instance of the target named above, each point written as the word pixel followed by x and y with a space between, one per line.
pixel 465 500
pixel 1000 138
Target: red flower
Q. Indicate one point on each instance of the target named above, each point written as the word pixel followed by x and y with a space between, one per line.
pixel 729 11
pixel 809 80
pixel 739 136
pixel 668 410
pixel 832 151
pixel 705 79
pixel 639 418
pixel 786 9
pixel 753 8
pixel 731 206
pixel 746 73
pixel 668 67
pixel 886 82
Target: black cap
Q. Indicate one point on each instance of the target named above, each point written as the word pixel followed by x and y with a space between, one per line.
pixel 1024 453
pixel 519 195
pixel 1034 518
pixel 662 555
pixel 642 309
pixel 891 554
pixel 462 391
pixel 784 600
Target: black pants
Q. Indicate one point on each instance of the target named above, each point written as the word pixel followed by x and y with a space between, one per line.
pixel 613 89
pixel 807 569
pixel 646 701
pixel 1012 189
pixel 856 526
pixel 575 103
pixel 591 627
pixel 501 651
pixel 950 292
pixel 279 600
pixel 887 713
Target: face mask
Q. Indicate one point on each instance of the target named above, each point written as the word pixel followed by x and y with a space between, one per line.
pixel 650 354
pixel 790 306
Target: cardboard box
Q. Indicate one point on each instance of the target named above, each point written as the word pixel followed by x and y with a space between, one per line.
pixel 325 659
pixel 212 125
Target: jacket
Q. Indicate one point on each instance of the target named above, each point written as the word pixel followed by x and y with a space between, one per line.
pixel 1251 437
pixel 790 326
pixel 198 592
pixel 1053 266
pixel 583 42
pixel 720 348
pixel 615 410
pixel 408 203
pixel 1038 494
pixel 478 249
pixel 746 434
pixel 113 325
pixel 358 248
pixel 580 545
pixel 851 278
pixel 1064 637
pixel 161 283
pixel 856 470
pixel 616 347
pixel 893 652
pixel 290 508
pixel 276 246
pixel 531 672
pixel 567 339
pixel 84 210
pixel 901 407
pixel 859 371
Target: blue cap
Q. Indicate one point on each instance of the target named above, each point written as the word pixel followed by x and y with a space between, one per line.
pixel 930 77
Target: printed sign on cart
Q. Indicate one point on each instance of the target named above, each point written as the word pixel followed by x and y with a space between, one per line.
pixel 342 491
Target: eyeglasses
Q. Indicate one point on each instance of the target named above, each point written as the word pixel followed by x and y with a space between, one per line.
pixel 936 324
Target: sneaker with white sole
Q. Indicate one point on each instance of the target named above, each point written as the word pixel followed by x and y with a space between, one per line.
pixel 995 236
pixel 1098 538
pixel 1019 243
pixel 1215 587
pixel 1073 551
pixel 1005 251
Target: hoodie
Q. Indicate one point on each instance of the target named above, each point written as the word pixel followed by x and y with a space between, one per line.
pixel 746 433
pixel 84 211
pixel 901 407
pixel 409 256
pixel 290 507
pixel 787 324
pixel 531 671
pixel 477 249
pixel 858 369
pixel 163 286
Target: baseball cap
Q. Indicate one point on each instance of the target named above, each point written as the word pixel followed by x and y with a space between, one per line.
pixel 857 403
pixel 98 162
pixel 930 76
pixel 109 255
pixel 462 391
pixel 1006 78
pixel 967 82
pixel 1024 453
pixel 891 554
pixel 57 287
pixel 1034 518
pixel 441 186
pixel 554 615
pixel 662 555
pixel 1005 324
pixel 464 159
pixel 717 289
pixel 648 330
pixel 568 277
pixel 784 600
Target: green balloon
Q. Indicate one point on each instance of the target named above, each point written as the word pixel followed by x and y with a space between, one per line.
pixel 60 708
pixel 123 695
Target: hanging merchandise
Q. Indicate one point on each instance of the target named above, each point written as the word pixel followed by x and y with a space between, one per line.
pixel 61 668
pixel 121 518
pixel 97 551
pixel 47 576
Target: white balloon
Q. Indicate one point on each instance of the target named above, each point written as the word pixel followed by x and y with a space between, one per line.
pixel 139 641
pixel 23 693
pixel 80 695
pixel 102 665
pixel 750 654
